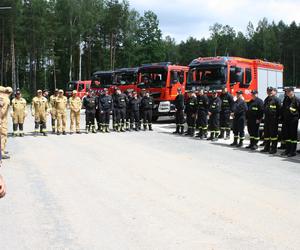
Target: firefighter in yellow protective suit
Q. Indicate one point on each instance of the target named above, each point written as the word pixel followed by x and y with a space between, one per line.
pixel 18 114
pixel 75 107
pixel 60 104
pixel 5 92
pixel 53 111
pixel 39 110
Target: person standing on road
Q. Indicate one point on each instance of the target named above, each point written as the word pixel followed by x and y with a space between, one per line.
pixel 5 93
pixel 128 111
pixel 254 116
pixel 291 114
pixel 105 107
pixel 191 108
pixel 239 119
pixel 75 107
pixel 39 110
pixel 284 132
pixel 89 104
pixel 272 107
pixel 134 104
pixel 214 116
pixel 147 107
pixel 203 105
pixel 179 115
pixel 60 105
pixel 53 111
pixel 226 110
pixel 18 114
pixel 120 103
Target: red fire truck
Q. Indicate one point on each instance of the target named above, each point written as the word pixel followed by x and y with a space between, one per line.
pixel 162 81
pixel 101 80
pixel 126 79
pixel 213 73
pixel 82 88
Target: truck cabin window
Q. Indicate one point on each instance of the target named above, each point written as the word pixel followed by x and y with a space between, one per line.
pixel 154 78
pixel 210 76
pixel 125 79
pixel 102 81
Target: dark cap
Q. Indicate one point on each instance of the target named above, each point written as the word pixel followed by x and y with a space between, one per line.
pixel 239 92
pixel 270 88
pixel 214 92
pixel 289 89
pixel 254 92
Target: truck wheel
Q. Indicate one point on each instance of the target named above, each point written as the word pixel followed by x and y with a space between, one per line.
pixel 154 118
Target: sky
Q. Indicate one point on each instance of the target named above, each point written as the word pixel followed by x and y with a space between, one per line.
pixel 184 18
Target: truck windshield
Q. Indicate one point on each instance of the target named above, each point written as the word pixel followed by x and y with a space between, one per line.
pixel 102 81
pixel 154 77
pixel 209 75
pixel 125 78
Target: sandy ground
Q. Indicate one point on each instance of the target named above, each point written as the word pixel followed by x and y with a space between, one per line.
pixel 146 190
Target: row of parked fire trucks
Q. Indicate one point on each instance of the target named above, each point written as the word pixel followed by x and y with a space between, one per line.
pixel 163 79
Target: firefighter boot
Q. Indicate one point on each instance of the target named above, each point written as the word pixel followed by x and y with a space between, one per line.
pixel 267 147
pixel 254 145
pixel 273 149
pixel 36 128
pixel 145 127
pixel 212 136
pixel 200 134
pixel 99 126
pixel 107 128
pixel 251 143
pixel 43 128
pixel 221 136
pixel 181 129
pixel 292 152
pixel 187 132
pixel 287 149
pixel 235 141
pixel 227 136
pixel 123 128
pixel 192 134
pixel 137 127
pixel 94 129
pixel 177 129
pixel 87 129
pixel 15 130
pixel 150 127
pixel 131 127
pixel 21 129
pixel 241 143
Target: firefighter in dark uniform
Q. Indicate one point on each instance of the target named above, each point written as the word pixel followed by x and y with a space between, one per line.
pixel 141 95
pixel 214 116
pixel 147 107
pixel 272 108
pixel 226 110
pixel 134 105
pixel 114 116
pixel 291 112
pixel 97 115
pixel 191 113
pixel 203 105
pixel 239 119
pixel 120 104
pixel 254 116
pixel 105 107
pixel 284 132
pixel 129 96
pixel 179 115
pixel 89 104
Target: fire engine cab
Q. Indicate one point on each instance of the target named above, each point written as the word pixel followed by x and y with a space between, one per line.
pixel 213 73
pixel 82 88
pixel 162 81
pixel 101 80
pixel 126 79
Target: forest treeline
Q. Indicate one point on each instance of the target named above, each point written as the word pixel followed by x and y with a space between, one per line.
pixel 45 43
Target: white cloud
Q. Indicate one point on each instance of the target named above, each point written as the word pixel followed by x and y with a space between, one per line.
pixel 184 18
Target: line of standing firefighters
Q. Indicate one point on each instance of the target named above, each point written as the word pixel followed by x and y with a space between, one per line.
pixel 129 111
pixel 214 115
